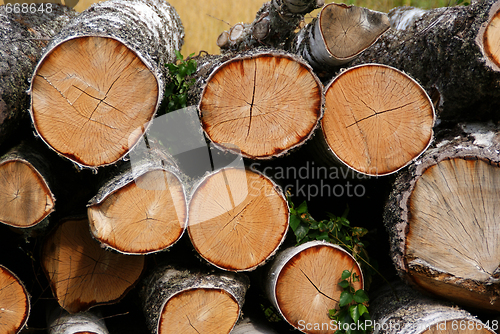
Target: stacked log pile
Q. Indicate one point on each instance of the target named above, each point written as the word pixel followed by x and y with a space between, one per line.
pixel 107 228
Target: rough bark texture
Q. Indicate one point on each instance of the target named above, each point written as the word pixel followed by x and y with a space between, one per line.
pixel 151 30
pixel 168 281
pixel 479 288
pixel 61 322
pixel 443 51
pixel 22 38
pixel 402 310
pixel 274 25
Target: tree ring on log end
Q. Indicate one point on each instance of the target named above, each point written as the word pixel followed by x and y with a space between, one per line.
pixel 25 197
pixel 304 283
pixel 206 310
pixel 267 96
pixel 81 273
pixel 85 115
pixel 14 302
pixel 237 219
pixel 349 30
pixel 144 216
pixel 377 119
pixel 452 247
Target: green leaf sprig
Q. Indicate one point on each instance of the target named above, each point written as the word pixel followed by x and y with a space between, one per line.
pixel 176 91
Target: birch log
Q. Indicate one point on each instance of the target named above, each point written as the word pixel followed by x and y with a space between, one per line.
pixel 261 94
pixel 402 310
pixel 61 322
pixel 247 326
pixel 26 198
pixel 452 52
pixel 442 218
pixel 102 77
pixel 22 38
pixel 182 301
pixel 376 121
pixel 82 274
pixel 338 35
pixel 14 302
pixel 237 219
pixel 140 210
pixel 302 284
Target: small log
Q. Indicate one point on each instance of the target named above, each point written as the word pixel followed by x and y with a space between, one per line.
pixel 338 35
pixel 402 310
pixel 302 283
pixel 184 301
pixel 89 111
pixel 82 274
pixel 259 95
pixel 274 26
pixel 377 120
pixel 61 322
pixel 442 218
pixel 22 38
pixel 247 326
pixel 26 198
pixel 14 302
pixel 452 52
pixel 140 210
pixel 237 219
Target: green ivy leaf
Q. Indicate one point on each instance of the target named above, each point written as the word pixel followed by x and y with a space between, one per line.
pixel 301 231
pixel 323 236
pixel 354 312
pixel 346 274
pixel 345 298
pixel 294 223
pixel 361 297
pixel 302 208
pixel 362 309
pixel 344 284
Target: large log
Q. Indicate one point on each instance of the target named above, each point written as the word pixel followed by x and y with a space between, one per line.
pixel 81 273
pixel 376 121
pixel 14 302
pixel 260 94
pixel 302 284
pixel 402 310
pixel 237 219
pixel 452 52
pixel 22 38
pixel 26 198
pixel 186 301
pixel 89 110
pixel 140 210
pixel 442 218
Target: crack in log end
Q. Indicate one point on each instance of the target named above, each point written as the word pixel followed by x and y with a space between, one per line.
pixel 317 289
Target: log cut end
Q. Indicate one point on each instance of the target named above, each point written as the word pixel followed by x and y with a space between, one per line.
pixel 199 310
pixel 452 246
pixel 146 215
pixel 237 219
pixel 307 285
pixel 488 38
pixel 269 96
pixel 377 119
pixel 89 94
pixel 25 198
pixel 14 302
pixel 349 30
pixel 81 273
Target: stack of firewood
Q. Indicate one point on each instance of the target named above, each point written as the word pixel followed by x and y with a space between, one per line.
pixel 117 218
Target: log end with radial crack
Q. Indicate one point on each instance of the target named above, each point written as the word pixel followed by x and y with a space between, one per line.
pixel 448 245
pixel 302 282
pixel 377 119
pixel 261 93
pixel 228 213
